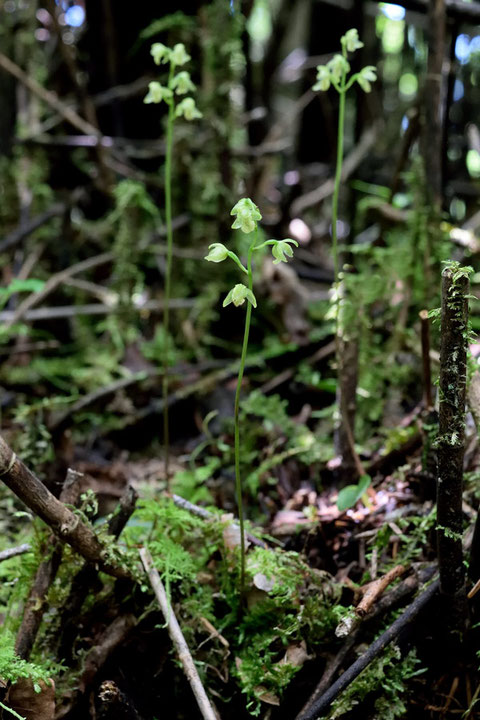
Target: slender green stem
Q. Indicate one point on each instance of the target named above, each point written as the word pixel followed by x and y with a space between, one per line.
pixel 238 479
pixel 168 274
pixel 338 178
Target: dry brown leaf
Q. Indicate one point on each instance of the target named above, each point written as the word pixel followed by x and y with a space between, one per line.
pixel 266 696
pixel 32 705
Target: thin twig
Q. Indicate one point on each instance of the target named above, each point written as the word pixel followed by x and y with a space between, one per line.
pixel 177 638
pixel 207 515
pixel 54 281
pixel 323 703
pixel 12 552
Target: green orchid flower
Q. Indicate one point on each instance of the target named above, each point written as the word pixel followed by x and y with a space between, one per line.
pixel 217 253
pixel 179 56
pixel 366 76
pixel 247 214
pixel 282 249
pixel 182 83
pixel 337 66
pixel 323 78
pixel 160 53
pixel 188 109
pixel 351 41
pixel 238 295
pixel 157 93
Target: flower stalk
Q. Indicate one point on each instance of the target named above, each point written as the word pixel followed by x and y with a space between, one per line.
pixel 178 84
pixel 247 218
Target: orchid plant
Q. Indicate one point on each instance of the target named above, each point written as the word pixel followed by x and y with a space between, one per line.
pixel 336 74
pixel 178 85
pixel 247 216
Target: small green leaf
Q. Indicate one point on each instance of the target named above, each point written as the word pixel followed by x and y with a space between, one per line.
pixel 350 495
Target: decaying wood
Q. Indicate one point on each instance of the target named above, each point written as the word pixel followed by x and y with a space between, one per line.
pixel 85 579
pixel 177 638
pixel 67 526
pixel 450 444
pixel 35 605
pixel 321 705
pixel 113 704
pixel 387 602
pixel 111 638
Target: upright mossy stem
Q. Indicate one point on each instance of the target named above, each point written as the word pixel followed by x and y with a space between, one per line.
pixel 243 357
pixel 168 275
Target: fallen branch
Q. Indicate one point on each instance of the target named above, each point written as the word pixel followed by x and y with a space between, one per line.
pixel 373 590
pixel 12 552
pixel 351 162
pixel 321 705
pixel 177 638
pixel 386 603
pixel 65 524
pixel 69 311
pixel 35 605
pixel 53 282
pixel 84 581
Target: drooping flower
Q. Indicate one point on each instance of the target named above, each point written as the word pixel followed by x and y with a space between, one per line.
pixel 247 214
pixel 182 83
pixel 157 93
pixel 338 66
pixel 323 78
pixel 351 40
pixel 160 53
pixel 179 56
pixel 238 295
pixel 281 249
pixel 217 253
pixel 366 76
pixel 188 109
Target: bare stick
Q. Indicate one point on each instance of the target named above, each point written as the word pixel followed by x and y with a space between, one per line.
pixel 54 281
pixel 177 638
pixel 69 311
pixel 207 515
pixel 373 590
pixel 451 442
pixel 66 526
pixel 48 97
pixel 12 552
pixel 319 707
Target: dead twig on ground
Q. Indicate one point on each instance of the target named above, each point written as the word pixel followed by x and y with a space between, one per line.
pixel 53 282
pixel 12 552
pixel 67 526
pixel 177 638
pixel 319 707
pixel 35 605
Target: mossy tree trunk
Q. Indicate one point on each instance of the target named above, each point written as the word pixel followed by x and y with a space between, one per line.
pixel 453 369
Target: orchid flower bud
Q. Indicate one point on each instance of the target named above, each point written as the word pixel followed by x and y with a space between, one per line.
pixel 247 214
